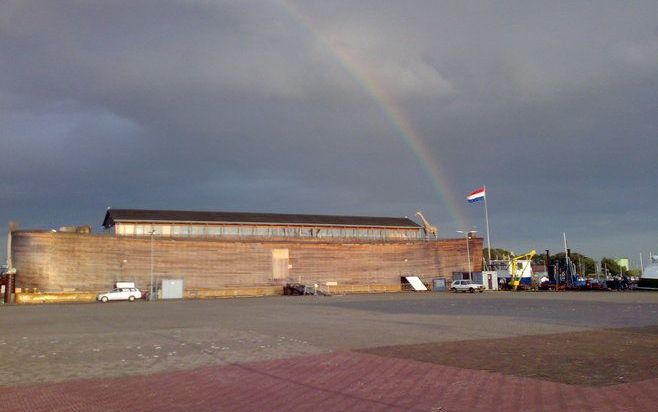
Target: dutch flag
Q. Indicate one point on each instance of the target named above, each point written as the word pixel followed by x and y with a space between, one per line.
pixel 476 195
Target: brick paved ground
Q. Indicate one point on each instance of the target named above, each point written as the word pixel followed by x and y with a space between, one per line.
pixel 329 382
pixel 312 353
pixel 591 357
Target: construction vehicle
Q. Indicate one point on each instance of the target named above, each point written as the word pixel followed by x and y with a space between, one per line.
pixel 518 270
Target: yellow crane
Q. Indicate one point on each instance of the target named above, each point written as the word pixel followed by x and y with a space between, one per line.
pixel 514 270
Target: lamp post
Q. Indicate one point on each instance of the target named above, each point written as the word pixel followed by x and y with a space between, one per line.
pixel 152 291
pixel 468 249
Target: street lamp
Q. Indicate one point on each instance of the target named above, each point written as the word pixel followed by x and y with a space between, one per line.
pixel 468 249
pixel 152 292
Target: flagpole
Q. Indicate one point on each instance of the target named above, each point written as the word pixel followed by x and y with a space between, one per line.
pixel 486 218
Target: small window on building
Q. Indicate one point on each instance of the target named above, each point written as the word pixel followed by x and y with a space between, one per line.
pixel 180 230
pixel 197 230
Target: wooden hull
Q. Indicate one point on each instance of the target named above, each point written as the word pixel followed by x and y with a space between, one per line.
pixel 64 262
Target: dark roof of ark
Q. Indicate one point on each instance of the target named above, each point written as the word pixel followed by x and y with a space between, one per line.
pixel 138 215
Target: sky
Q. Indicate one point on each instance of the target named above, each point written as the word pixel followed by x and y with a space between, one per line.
pixel 375 108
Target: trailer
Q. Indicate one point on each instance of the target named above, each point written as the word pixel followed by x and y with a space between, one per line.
pixel 649 278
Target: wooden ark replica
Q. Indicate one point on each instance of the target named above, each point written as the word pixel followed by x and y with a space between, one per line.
pixel 228 253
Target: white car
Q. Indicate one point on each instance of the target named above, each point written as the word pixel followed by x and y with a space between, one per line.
pixel 129 294
pixel 466 286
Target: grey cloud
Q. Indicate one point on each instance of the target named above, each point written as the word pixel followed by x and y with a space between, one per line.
pixel 247 106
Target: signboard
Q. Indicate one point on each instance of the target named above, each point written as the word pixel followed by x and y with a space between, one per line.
pixel 415 282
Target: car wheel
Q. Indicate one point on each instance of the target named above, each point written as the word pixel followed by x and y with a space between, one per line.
pixel 131 298
pixel 471 290
pixel 104 299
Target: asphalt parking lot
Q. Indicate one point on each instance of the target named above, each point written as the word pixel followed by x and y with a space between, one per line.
pixel 50 344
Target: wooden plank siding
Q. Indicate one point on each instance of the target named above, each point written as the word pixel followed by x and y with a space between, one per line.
pixel 59 262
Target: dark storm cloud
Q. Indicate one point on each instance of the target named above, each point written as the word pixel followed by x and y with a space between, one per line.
pixel 246 106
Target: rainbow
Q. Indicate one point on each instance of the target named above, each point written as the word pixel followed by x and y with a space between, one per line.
pixel 391 110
